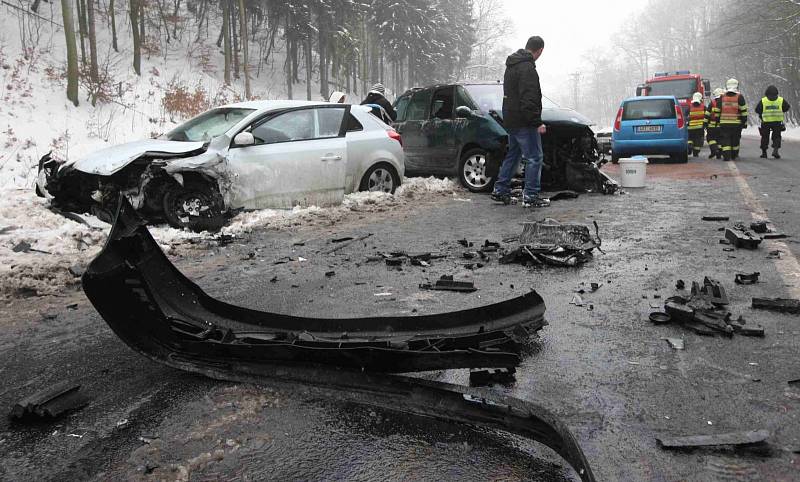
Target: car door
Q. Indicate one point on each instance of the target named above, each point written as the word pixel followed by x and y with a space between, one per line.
pixel 414 141
pixel 439 130
pixel 299 159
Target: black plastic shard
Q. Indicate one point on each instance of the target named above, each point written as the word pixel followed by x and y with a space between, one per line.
pixel 160 313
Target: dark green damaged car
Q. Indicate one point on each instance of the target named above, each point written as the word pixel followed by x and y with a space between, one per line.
pixel 457 130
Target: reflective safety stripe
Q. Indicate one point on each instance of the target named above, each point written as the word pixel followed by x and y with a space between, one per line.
pixel 697 116
pixel 730 110
pixel 773 110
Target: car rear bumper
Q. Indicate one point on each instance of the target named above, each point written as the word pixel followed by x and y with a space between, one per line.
pixel 661 146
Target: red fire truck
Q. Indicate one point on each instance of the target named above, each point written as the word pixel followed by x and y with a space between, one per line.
pixel 682 84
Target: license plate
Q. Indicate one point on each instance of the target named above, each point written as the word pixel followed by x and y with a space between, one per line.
pixel 648 129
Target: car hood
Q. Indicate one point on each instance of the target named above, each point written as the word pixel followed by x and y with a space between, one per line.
pixel 106 162
pixel 564 115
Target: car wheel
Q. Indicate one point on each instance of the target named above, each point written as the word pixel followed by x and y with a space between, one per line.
pixel 198 207
pixel 472 171
pixel 381 177
pixel 614 158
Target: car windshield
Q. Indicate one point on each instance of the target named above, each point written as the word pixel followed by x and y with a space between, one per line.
pixel 681 88
pixel 649 109
pixel 208 125
pixel 490 97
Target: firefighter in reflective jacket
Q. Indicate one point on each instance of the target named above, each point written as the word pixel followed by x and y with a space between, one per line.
pixel 712 129
pixel 772 111
pixel 697 117
pixel 731 116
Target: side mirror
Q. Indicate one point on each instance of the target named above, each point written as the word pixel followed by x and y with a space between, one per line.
pixel 244 139
pixel 707 86
pixel 464 112
pixel 640 90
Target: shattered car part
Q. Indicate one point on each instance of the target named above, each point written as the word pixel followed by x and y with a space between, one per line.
pixel 50 402
pixel 782 305
pixel 447 283
pixel 470 406
pixel 660 318
pixel 712 291
pixel 160 313
pixel 746 279
pixel 698 441
pixel 486 376
pixel 742 239
pixel 716 218
pixel 759 227
pixel 553 243
pixel 676 343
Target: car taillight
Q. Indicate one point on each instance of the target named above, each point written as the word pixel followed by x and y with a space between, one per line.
pixel 394 135
pixel 618 120
pixel 679 113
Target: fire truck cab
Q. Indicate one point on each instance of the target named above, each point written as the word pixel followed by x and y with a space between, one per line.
pixel 682 84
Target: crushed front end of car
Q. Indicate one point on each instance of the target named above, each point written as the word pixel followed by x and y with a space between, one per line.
pixel 187 196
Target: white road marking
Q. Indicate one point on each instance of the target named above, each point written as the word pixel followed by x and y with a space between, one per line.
pixel 788 266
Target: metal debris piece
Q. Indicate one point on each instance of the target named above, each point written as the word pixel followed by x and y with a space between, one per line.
pixel 740 327
pixel 21 247
pixel 794 382
pixel 447 283
pixel 775 236
pixel 782 305
pixel 394 261
pixel 742 239
pixel 716 218
pixel 759 227
pixel 660 318
pixel 679 312
pixel 50 403
pixel 577 300
pixel 676 343
pixel 341 240
pixel 550 242
pixel 714 321
pixel 680 285
pixel 465 243
pixel 777 254
pixel 712 291
pixel 696 441
pixel 747 279
pixel 481 377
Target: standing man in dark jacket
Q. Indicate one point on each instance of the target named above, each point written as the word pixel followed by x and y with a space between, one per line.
pixel 522 119
pixel 377 95
pixel 772 111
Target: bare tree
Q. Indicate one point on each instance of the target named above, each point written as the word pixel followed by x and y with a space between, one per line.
pixel 244 40
pixel 134 11
pixel 72 52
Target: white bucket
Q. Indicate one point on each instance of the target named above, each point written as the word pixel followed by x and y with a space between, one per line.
pixel 632 171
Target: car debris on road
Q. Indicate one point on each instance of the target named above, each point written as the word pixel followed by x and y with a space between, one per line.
pixel 447 283
pixel 50 402
pixel 752 437
pixel 550 242
pixel 781 305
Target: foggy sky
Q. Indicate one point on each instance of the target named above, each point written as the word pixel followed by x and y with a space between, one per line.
pixel 569 28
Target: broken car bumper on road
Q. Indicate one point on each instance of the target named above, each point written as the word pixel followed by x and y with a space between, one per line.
pixel 160 313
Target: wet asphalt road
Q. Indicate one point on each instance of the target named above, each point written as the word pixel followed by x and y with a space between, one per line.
pixel 607 372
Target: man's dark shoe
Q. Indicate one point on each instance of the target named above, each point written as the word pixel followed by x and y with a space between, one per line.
pixel 712 155
pixel 763 154
pixel 535 202
pixel 775 154
pixel 501 198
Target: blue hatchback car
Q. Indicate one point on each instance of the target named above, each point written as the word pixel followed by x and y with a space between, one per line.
pixel 650 125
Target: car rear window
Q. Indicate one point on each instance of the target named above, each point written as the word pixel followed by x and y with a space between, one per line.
pixel 649 109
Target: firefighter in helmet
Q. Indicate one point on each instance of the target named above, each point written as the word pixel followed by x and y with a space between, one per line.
pixel 731 116
pixel 712 129
pixel 697 116
pixel 772 111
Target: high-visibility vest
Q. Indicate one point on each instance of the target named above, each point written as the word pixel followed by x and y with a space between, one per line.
pixel 773 110
pixel 711 114
pixel 697 116
pixel 729 110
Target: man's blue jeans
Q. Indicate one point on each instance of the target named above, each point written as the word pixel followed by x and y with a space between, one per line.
pixel 524 143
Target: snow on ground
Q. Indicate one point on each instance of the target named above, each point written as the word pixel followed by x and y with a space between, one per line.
pixel 791 132
pixel 58 244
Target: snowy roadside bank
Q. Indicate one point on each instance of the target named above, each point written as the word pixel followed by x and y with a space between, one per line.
pixel 41 252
